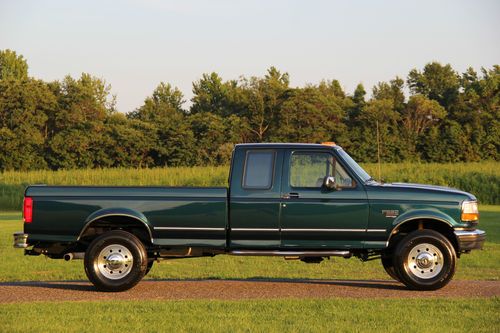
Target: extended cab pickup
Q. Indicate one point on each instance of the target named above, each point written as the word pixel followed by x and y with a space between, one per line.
pixel 300 201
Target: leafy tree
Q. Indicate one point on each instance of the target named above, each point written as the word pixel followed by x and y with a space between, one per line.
pixel 381 114
pixel 129 142
pixel 174 138
pixel 477 109
pixel 260 102
pixel 358 102
pixel 391 91
pixel 77 124
pixel 12 66
pixel 437 82
pixel 23 108
pixel 209 131
pixel 419 116
pixel 73 123
pixel 211 95
pixel 309 116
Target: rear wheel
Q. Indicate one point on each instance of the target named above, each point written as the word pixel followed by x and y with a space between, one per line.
pixel 115 261
pixel 425 260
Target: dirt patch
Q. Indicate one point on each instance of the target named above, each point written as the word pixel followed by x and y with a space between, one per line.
pixel 11 292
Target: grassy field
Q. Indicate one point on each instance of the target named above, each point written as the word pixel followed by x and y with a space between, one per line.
pixel 291 315
pixel 482 179
pixel 297 315
pixel 16 267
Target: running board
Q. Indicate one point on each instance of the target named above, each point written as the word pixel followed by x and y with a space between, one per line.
pixel 344 254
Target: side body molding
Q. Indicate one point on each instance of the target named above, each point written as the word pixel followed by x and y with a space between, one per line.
pixel 111 212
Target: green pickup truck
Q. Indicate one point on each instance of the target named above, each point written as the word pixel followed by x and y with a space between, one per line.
pixel 299 201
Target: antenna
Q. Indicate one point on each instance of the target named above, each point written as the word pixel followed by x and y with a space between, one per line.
pixel 378 154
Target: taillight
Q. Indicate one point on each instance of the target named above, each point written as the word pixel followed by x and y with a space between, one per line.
pixel 28 210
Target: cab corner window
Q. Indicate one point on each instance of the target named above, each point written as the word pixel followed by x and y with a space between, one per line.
pixel 259 166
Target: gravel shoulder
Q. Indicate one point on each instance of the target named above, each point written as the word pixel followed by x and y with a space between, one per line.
pixel 13 292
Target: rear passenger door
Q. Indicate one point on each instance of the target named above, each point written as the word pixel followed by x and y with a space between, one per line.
pixel 254 207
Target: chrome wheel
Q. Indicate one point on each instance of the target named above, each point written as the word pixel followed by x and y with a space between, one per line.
pixel 425 261
pixel 115 261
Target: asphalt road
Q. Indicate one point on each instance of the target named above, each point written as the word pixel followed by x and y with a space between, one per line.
pixel 12 292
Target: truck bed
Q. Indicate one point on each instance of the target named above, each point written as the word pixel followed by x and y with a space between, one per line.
pixel 184 216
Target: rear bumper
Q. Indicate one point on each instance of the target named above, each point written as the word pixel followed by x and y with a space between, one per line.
pixel 20 240
pixel 470 239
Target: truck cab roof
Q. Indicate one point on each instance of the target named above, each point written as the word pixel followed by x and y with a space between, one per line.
pixel 273 145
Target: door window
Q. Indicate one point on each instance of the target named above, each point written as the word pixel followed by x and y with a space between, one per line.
pixel 308 170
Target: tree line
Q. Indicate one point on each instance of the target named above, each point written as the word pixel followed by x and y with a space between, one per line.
pixel 436 114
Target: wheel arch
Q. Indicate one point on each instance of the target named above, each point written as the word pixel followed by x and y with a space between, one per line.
pixel 118 218
pixel 436 223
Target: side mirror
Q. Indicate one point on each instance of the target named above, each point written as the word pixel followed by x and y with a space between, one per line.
pixel 329 183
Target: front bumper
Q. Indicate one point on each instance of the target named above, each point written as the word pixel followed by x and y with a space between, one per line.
pixel 20 240
pixel 470 239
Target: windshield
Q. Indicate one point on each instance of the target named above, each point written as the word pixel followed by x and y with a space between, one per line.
pixel 354 166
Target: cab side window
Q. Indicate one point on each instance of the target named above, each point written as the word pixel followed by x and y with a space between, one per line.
pixel 259 170
pixel 308 170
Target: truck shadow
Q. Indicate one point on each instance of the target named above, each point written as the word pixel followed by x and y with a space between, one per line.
pixel 84 285
pixel 77 285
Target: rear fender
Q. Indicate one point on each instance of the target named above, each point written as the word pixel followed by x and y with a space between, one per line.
pixel 112 212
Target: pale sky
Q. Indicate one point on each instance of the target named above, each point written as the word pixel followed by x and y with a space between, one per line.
pixel 136 44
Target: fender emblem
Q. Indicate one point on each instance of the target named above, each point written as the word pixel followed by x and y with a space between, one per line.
pixel 392 213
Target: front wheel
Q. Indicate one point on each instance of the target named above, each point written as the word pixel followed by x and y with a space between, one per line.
pixel 387 262
pixel 115 261
pixel 425 260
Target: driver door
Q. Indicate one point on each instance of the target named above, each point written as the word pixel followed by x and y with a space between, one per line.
pixel 313 217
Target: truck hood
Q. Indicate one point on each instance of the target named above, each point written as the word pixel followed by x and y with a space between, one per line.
pixel 428 188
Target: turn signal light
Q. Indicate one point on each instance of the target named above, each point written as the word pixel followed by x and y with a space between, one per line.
pixel 470 212
pixel 28 210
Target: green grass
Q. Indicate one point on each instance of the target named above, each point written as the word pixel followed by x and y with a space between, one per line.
pixel 480 265
pixel 481 179
pixel 289 315
pixel 283 315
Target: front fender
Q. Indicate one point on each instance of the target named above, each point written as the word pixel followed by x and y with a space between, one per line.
pixel 107 212
pixel 418 214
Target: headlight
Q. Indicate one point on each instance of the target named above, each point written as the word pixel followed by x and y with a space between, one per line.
pixel 470 213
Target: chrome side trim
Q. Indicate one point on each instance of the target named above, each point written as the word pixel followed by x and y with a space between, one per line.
pixel 254 229
pixel 118 214
pixel 325 230
pixel 189 228
pixel 345 254
pixel 270 229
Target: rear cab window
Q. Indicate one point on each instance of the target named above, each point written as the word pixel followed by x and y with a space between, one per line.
pixel 258 172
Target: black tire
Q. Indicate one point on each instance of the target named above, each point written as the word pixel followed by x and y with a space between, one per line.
pixel 425 260
pixel 388 263
pixel 150 265
pixel 128 262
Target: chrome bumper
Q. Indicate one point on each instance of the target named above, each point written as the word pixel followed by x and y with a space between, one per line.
pixel 20 240
pixel 470 239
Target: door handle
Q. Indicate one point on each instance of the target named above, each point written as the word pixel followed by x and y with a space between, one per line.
pixel 291 195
